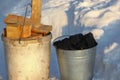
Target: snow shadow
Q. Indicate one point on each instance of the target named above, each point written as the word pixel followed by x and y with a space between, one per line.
pixel 70 28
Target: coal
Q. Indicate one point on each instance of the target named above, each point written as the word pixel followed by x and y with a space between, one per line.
pixel 76 42
pixel 90 40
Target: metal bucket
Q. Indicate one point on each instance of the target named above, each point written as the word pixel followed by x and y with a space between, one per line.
pixel 76 64
pixel 29 59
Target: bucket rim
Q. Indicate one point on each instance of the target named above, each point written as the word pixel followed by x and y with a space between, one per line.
pixel 77 50
pixel 63 36
pixel 3 37
pixel 25 42
pixel 67 36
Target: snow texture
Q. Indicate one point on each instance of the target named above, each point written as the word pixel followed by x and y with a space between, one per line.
pixel 101 17
pixel 0 78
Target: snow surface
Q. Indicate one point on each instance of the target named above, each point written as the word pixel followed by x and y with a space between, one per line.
pixel 0 78
pixel 101 17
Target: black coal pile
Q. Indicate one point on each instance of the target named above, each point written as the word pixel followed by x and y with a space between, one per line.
pixel 76 42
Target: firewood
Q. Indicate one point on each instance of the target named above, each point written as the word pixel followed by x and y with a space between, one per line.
pixel 43 29
pixel 18 31
pixel 15 19
pixel 35 35
pixel 22 27
pixel 36 11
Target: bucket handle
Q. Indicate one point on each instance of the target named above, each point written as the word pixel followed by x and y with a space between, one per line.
pixel 64 36
pixel 29 4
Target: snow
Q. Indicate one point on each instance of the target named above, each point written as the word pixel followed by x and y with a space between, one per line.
pixel 101 17
pixel 97 33
pixel 0 78
pixel 97 13
pixel 111 47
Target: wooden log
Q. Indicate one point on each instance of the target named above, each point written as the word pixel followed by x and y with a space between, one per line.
pixel 43 29
pixel 26 31
pixel 15 19
pixel 14 31
pixel 36 11
pixel 36 35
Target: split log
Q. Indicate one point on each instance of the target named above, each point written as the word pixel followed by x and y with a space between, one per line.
pixel 15 19
pixel 18 31
pixel 43 29
pixel 36 11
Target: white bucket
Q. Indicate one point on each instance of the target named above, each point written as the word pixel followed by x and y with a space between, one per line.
pixel 29 59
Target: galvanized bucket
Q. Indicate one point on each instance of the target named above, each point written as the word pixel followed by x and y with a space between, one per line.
pixel 29 59
pixel 76 64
